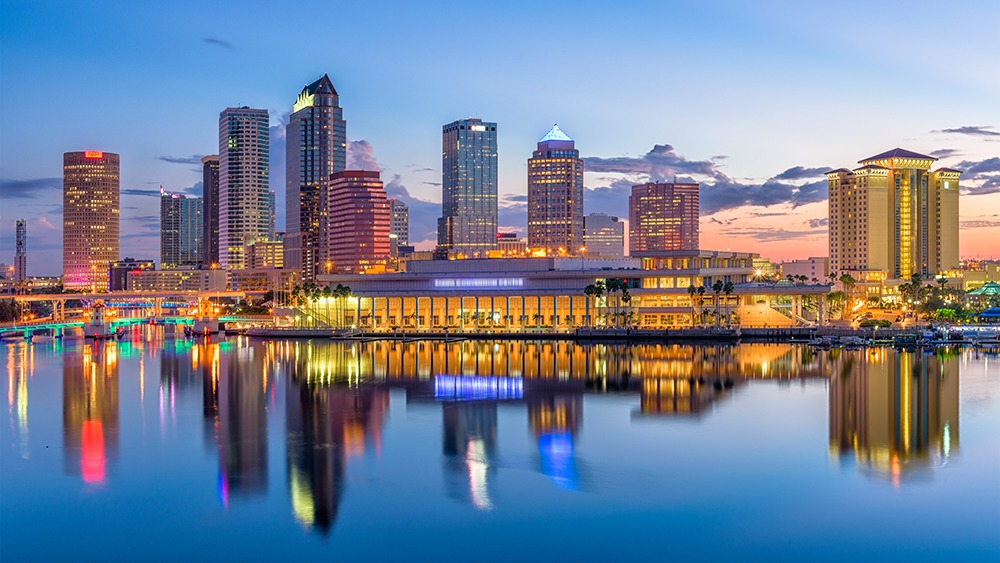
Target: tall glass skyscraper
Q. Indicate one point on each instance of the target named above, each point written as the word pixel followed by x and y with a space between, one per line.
pixel 210 215
pixel 181 228
pixel 663 216
pixel 91 218
pixel 316 147
pixel 468 222
pixel 555 195
pixel 243 182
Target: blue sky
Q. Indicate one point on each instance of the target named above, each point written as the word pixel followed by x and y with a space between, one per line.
pixel 754 100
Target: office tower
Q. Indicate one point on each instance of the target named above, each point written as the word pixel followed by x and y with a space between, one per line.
pixel 555 195
pixel 21 251
pixel 604 236
pixel 210 211
pixel 400 221
pixel 468 222
pixel 181 227
pixel 315 148
pixel 894 215
pixel 271 210
pixel 119 270
pixel 243 183
pixel 359 222
pixel 663 216
pixel 90 218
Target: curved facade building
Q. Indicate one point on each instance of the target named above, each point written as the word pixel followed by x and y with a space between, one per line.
pixel 91 218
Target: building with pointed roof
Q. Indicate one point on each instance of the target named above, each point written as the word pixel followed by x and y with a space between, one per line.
pixel 893 217
pixel 555 195
pixel 315 148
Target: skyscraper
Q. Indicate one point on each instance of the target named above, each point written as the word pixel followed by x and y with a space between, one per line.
pixel 91 218
pixel 21 251
pixel 604 236
pixel 210 215
pixel 243 183
pixel 663 216
pixel 400 222
pixel 894 215
pixel 316 147
pixel 468 222
pixel 359 222
pixel 271 213
pixel 181 227
pixel 555 194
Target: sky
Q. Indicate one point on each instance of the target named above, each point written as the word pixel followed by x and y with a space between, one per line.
pixel 754 100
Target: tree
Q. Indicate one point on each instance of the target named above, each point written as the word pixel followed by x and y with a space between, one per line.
pixel 728 288
pixel 701 302
pixel 595 290
pixel 717 289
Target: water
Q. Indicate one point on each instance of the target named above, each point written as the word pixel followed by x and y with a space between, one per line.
pixel 155 449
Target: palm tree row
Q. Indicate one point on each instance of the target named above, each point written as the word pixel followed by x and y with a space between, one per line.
pixel 617 292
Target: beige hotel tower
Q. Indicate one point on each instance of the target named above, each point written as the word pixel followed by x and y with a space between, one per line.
pixel 893 216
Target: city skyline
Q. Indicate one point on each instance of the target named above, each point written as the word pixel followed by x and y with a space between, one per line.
pixel 779 133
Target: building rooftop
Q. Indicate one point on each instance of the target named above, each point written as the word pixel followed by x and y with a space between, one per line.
pixel 948 170
pixel 555 134
pixel 897 153
pixel 323 86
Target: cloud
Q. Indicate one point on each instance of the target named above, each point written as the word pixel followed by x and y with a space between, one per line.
pixel 29 188
pixel 219 43
pixel 424 170
pixel 139 192
pixel 659 164
pixel 768 214
pixel 978 224
pixel 978 130
pixel 801 173
pixel 944 153
pixel 193 159
pixel 43 222
pixel 361 156
pixel 990 186
pixel 817 223
pixel 772 234
pixel 972 168
pixel 514 199
pixel 432 183
pixel 423 213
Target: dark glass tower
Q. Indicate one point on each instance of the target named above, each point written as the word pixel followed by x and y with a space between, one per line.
pixel 468 223
pixel 316 147
pixel 210 217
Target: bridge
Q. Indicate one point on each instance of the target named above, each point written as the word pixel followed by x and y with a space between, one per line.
pixel 146 299
pixel 27 329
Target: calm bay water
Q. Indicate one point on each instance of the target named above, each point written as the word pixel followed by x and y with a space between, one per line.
pixel 159 449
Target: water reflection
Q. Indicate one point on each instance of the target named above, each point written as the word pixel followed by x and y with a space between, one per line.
pixel 328 420
pixel 555 417
pixel 469 447
pixel 90 411
pixel 895 414
pixel 242 423
pixel 20 366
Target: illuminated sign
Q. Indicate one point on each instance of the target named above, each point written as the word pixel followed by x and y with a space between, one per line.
pixel 477 127
pixel 479 283
pixel 475 387
pixel 93 154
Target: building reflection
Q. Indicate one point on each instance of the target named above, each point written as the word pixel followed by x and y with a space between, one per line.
pixel 90 411
pixel 242 391
pixel 20 367
pixel 469 447
pixel 555 418
pixel 894 414
pixel 328 420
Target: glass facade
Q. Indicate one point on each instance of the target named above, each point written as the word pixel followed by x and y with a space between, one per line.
pixel 468 223
pixel 181 224
pixel 243 182
pixel 663 216
pixel 555 195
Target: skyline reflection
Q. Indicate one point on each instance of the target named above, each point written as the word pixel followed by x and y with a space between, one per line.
pixel 90 411
pixel 895 414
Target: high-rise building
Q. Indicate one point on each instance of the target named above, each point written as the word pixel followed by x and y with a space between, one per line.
pixel 315 148
pixel 210 214
pixel 181 227
pixel 400 222
pixel 119 270
pixel 893 215
pixel 604 236
pixel 271 211
pixel 555 195
pixel 468 222
pixel 21 251
pixel 91 218
pixel 663 216
pixel 359 222
pixel 243 182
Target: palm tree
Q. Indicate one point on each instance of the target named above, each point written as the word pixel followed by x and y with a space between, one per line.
pixel 728 288
pixel 595 290
pixel 717 288
pixel 701 303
